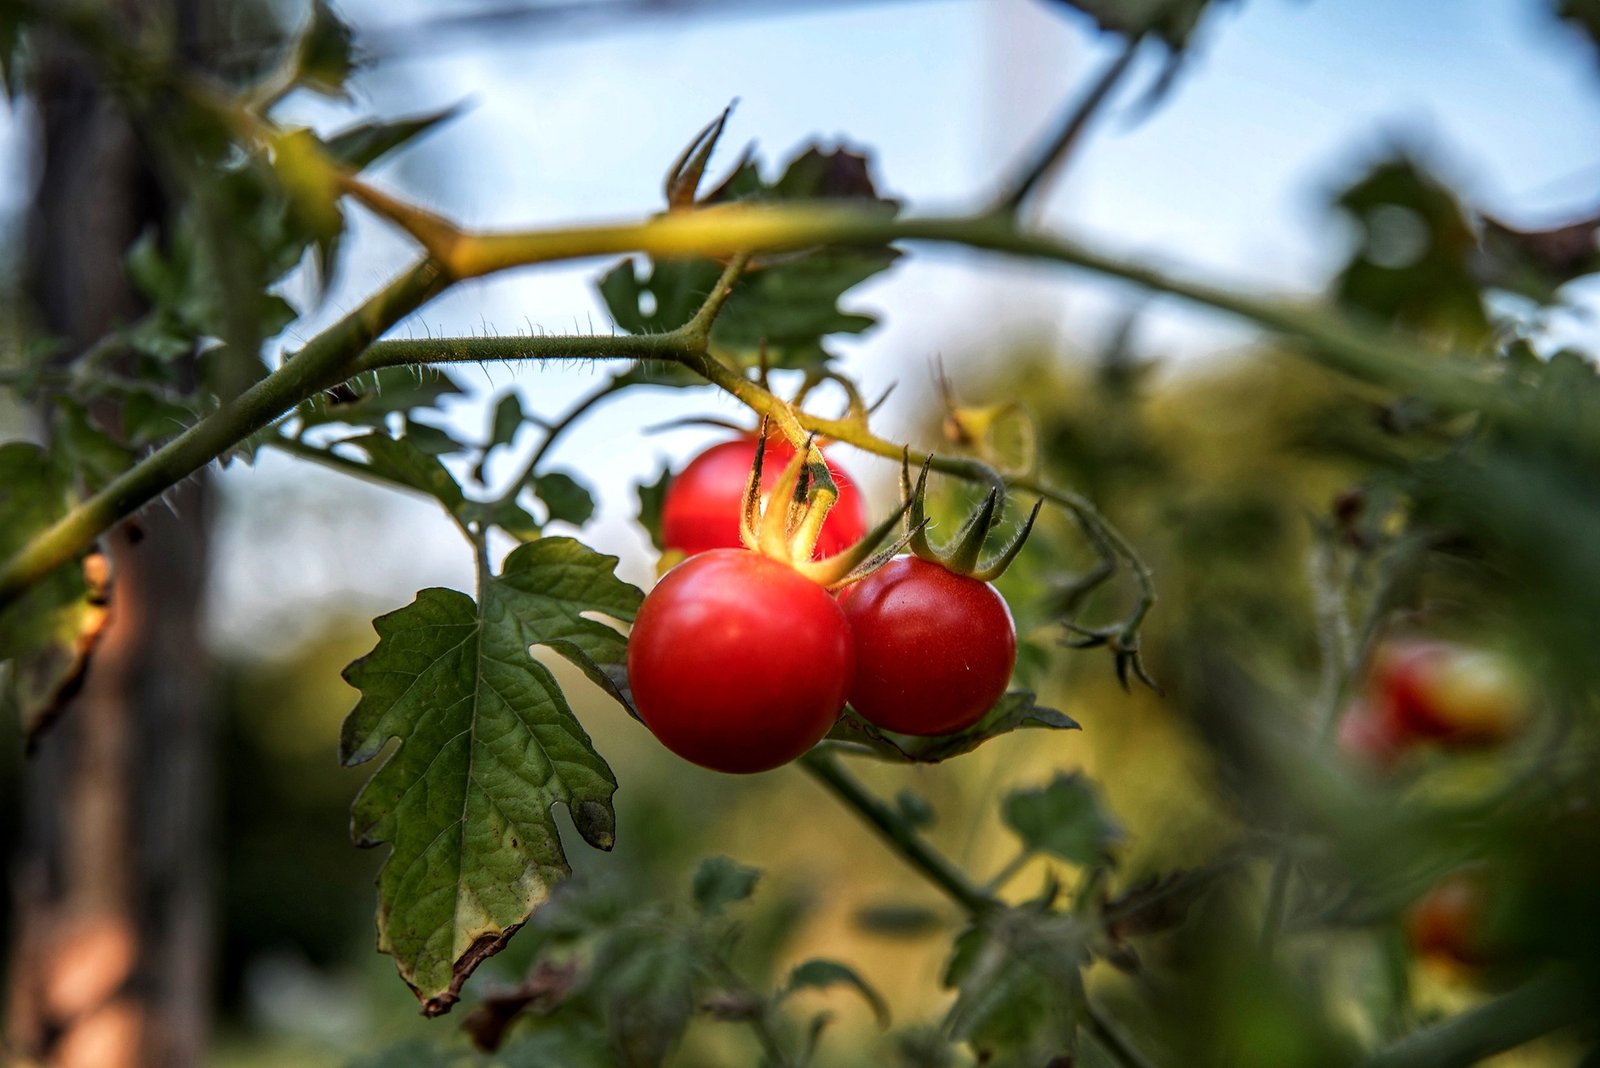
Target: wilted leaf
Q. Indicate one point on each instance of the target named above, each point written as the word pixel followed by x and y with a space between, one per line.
pixel 1065 819
pixel 820 973
pixel 49 632
pixel 1015 711
pixel 720 882
pixel 488 744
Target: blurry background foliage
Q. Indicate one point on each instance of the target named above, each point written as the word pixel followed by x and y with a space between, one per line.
pixel 1260 487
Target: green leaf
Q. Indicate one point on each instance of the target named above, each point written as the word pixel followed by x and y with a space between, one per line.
pixel 1065 819
pixel 436 441
pixel 399 460
pixel 720 882
pixel 49 632
pixel 326 52
pixel 788 303
pixel 821 973
pixel 508 419
pixel 1014 711
pixel 362 145
pixel 1414 262
pixel 652 497
pixel 1020 993
pixel 488 743
pixel 565 498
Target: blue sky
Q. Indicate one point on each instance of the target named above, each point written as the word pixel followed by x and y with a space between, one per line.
pixel 1285 100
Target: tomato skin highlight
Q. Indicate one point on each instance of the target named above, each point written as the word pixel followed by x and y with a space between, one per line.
pixel 934 650
pixel 738 662
pixel 703 504
pixel 1447 693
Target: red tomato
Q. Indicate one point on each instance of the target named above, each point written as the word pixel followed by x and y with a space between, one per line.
pixel 934 650
pixel 1448 922
pixel 1369 737
pixel 1447 692
pixel 703 504
pixel 738 662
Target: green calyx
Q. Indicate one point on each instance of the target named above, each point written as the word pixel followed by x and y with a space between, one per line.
pixel 962 553
pixel 787 524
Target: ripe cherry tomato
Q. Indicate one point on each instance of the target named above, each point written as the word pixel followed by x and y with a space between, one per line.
pixel 1448 923
pixel 738 662
pixel 703 504
pixel 1369 737
pixel 934 650
pixel 1447 692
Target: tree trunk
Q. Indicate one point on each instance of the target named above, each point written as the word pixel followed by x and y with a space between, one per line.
pixel 112 897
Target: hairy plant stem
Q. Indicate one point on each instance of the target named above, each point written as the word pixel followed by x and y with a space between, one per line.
pixel 722 231
pixel 324 362
pixel 1539 1006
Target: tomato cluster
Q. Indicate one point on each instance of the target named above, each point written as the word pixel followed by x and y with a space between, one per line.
pixel 740 662
pixel 1423 691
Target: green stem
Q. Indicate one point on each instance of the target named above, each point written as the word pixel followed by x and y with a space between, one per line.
pixel 553 432
pixel 1112 1040
pixel 906 841
pixel 1536 1008
pixel 324 362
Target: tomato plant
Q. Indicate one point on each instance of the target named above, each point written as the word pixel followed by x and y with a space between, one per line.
pixel 1429 375
pixel 738 662
pixel 702 505
pixel 933 649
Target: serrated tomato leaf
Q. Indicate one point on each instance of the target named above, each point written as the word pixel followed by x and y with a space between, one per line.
pixel 720 882
pixel 1016 710
pixel 488 744
pixel 565 498
pixel 1064 818
pixel 1019 983
pixel 787 304
pixel 50 631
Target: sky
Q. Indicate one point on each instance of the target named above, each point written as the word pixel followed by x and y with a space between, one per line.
pixel 1228 181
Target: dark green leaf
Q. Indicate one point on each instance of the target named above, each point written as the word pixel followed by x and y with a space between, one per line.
pixel 821 973
pixel 327 53
pixel 488 744
pixel 436 441
pixel 1020 987
pixel 719 882
pixel 1065 819
pixel 1015 711
pixel 897 920
pixel 565 498
pixel 508 419
pixel 358 147
pixel 1413 264
pixel 402 462
pixel 49 632
pixel 79 440
pixel 788 303
pixel 652 496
